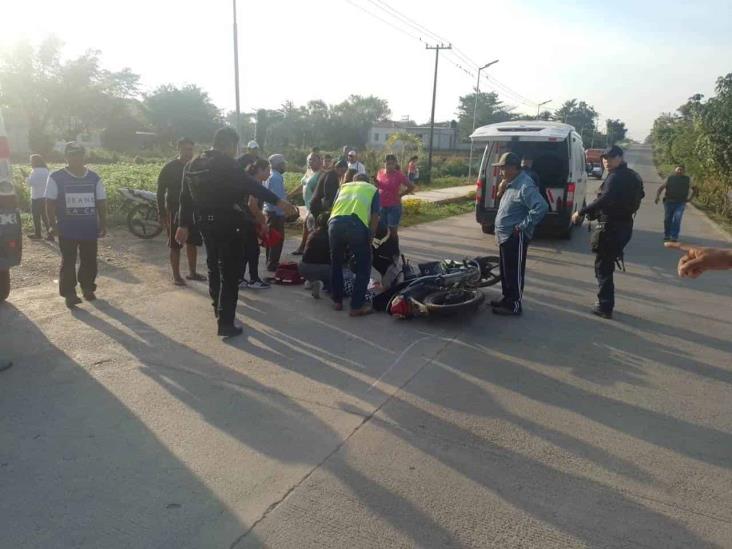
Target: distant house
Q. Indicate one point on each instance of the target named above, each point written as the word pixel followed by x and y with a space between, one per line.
pixel 445 136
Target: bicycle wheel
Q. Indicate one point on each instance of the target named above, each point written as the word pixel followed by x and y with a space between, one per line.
pixel 143 221
pixel 449 302
pixel 490 270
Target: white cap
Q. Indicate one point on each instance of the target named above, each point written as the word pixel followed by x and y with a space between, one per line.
pixel 276 160
pixel 252 145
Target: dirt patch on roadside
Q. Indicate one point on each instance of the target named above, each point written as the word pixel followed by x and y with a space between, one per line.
pixel 121 256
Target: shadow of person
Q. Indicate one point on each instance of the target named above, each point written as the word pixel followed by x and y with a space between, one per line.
pixel 80 468
pixel 264 420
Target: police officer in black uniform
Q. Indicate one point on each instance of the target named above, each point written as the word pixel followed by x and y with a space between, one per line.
pixel 619 198
pixel 213 197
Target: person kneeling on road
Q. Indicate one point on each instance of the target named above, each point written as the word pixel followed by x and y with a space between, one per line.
pixel 353 221
pixel 315 264
pixel 521 208
pixel 213 192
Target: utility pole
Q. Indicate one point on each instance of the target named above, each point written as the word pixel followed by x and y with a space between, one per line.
pixel 437 49
pixel 236 73
pixel 540 105
pixel 475 112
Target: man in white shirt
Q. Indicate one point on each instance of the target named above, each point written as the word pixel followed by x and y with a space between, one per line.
pixel 354 164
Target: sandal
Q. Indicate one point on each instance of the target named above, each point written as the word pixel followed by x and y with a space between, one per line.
pixel 363 311
pixel 197 277
pixel 179 282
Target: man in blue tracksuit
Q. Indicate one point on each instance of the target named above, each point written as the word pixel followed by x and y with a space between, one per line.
pixel 521 208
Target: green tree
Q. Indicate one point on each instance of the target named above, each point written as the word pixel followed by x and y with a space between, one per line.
pixel 182 112
pixel 616 130
pixel 490 110
pixel 404 145
pixel 580 115
pixel 56 98
pixel 352 119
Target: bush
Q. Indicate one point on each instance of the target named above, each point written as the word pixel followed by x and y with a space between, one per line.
pixel 411 206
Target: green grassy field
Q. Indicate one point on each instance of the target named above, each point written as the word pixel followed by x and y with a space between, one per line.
pixel 145 176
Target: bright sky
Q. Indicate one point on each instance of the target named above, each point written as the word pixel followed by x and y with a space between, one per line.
pixel 631 60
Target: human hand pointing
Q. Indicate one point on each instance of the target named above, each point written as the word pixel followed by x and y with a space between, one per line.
pixel 698 259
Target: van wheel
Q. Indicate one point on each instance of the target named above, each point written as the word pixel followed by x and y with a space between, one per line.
pixel 4 285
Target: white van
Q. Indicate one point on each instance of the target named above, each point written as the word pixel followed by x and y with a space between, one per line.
pixel 558 159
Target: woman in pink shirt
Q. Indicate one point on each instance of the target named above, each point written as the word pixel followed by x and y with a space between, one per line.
pixel 390 181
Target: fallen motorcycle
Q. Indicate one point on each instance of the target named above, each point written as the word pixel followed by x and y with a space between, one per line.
pixel 142 219
pixel 442 288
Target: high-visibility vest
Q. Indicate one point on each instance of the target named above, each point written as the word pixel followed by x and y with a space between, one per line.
pixel 354 199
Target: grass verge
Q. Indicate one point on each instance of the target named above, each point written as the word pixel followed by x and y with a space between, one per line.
pixel 417 211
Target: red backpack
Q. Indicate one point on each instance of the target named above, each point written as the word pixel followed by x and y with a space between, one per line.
pixel 288 273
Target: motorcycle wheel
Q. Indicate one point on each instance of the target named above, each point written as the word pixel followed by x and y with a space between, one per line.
pixel 490 270
pixel 143 221
pixel 4 285
pixel 449 302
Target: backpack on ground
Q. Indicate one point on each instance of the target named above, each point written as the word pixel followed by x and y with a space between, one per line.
pixel 287 273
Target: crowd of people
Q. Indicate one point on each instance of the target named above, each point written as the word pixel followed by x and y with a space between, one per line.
pixel 232 205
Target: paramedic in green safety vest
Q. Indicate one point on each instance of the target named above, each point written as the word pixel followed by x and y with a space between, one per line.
pixel 353 220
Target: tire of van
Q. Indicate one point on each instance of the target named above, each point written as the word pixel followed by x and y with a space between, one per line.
pixel 447 302
pixel 4 285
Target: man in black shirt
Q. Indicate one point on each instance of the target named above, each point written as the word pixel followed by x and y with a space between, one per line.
pixel 214 189
pixel 327 188
pixel 677 189
pixel 169 182
pixel 250 156
pixel 619 198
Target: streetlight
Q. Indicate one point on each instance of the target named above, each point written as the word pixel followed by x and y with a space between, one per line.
pixel 475 112
pixel 540 105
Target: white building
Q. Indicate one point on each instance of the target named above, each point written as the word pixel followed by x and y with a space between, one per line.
pixel 445 136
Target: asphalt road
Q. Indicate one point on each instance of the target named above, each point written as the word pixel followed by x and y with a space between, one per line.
pixel 129 424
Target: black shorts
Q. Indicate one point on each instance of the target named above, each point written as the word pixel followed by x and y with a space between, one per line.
pixel 194 235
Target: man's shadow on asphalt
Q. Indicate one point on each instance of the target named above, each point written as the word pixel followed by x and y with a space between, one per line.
pixel 260 417
pixel 70 445
pixel 502 478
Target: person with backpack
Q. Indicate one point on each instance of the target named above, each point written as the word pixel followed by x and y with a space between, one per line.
pixel 619 198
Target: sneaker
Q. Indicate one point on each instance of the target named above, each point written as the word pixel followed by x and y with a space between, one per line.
pixel 72 301
pixel 497 302
pixel 597 311
pixel 316 288
pixel 297 252
pixel 230 331
pixel 243 285
pixel 674 240
pixel 89 296
pixel 308 285
pixel 506 310
pixel 259 285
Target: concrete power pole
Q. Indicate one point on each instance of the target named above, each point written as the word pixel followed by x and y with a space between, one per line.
pixel 475 112
pixel 437 49
pixel 236 73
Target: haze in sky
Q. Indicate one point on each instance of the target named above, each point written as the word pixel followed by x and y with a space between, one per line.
pixel 630 60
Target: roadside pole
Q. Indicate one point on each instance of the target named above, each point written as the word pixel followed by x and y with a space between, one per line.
pixel 475 112
pixel 236 76
pixel 437 49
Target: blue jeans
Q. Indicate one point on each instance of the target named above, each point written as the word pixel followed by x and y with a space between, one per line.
pixel 391 215
pixel 672 219
pixel 349 232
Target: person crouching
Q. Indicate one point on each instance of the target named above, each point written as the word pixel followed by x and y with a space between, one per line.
pixel 353 221
pixel 315 264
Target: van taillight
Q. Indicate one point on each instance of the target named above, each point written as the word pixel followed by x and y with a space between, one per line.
pixel 570 196
pixel 478 190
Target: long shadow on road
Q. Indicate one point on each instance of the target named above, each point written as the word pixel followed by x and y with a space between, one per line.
pixel 79 469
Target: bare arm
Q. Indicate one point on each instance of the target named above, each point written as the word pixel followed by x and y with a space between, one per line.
pixel 102 211
pixel 660 191
pixel 51 213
